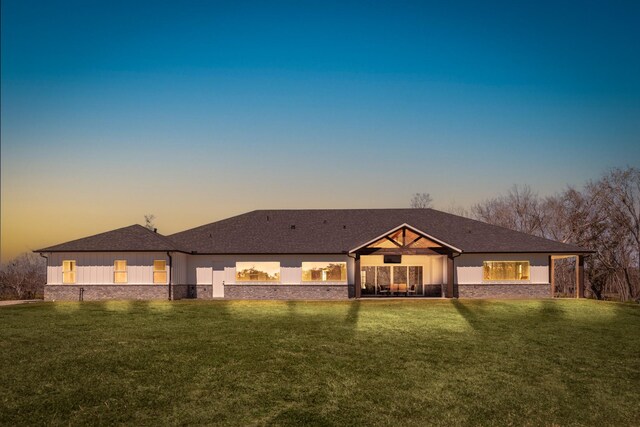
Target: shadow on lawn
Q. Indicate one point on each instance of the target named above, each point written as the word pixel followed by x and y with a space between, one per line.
pixel 353 313
pixel 482 314
pixel 471 315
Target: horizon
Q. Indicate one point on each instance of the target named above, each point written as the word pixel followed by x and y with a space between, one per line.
pixel 198 112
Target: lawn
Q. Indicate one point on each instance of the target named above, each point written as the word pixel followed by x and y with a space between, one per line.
pixel 321 363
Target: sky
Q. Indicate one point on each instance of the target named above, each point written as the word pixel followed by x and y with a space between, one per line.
pixel 198 110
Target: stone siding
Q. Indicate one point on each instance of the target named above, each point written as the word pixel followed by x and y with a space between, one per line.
pixel 180 291
pixel 287 292
pixel 106 292
pixel 200 291
pixel 515 290
pixel 275 292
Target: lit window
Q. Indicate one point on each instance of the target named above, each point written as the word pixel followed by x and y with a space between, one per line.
pixel 506 270
pixel 324 271
pixel 120 271
pixel 257 271
pixel 160 271
pixel 68 272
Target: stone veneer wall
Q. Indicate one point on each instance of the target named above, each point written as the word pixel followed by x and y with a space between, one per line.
pixel 283 292
pixel 180 291
pixel 106 292
pixel 501 290
pixel 286 292
pixel 202 291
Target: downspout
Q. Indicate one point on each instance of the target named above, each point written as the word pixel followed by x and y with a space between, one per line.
pixel 170 274
pixel 45 257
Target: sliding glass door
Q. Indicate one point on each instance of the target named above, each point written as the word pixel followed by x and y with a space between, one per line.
pixel 397 280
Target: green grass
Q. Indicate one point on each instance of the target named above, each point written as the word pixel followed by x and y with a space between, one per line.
pixel 321 363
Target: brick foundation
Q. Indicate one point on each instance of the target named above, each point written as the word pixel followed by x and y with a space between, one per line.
pixel 286 292
pixel 501 290
pixel 106 292
pixel 261 292
pixel 192 292
pixel 180 291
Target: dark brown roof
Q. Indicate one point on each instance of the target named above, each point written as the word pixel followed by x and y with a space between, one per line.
pixel 340 230
pixel 132 238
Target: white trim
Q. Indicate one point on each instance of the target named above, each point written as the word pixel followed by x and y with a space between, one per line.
pixel 412 228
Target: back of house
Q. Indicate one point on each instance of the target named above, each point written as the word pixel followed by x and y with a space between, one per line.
pixel 311 254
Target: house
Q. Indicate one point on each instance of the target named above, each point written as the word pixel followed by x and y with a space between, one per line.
pixel 311 254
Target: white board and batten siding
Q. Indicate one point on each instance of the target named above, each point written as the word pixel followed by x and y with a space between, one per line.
pixel 97 267
pixel 469 267
pixel 207 269
pixel 180 266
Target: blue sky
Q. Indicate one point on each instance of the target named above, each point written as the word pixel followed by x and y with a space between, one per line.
pixel 199 110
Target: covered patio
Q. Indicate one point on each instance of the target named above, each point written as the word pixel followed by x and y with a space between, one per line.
pixel 404 262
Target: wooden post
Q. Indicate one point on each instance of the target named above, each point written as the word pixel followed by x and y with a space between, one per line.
pixel 450 274
pixel 579 276
pixel 552 276
pixel 357 277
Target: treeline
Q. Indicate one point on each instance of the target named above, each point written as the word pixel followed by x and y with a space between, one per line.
pixel 603 216
pixel 23 277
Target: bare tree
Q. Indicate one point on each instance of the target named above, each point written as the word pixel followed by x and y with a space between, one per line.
pixel 575 217
pixel 23 277
pixel 622 198
pixel 459 210
pixel 149 221
pixel 618 251
pixel 604 216
pixel 520 209
pixel 421 200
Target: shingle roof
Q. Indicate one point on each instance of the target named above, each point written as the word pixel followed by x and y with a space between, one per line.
pixel 340 230
pixel 131 238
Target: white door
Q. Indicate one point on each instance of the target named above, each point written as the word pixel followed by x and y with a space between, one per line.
pixel 218 284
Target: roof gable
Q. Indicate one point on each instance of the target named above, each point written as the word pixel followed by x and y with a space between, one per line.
pixel 434 242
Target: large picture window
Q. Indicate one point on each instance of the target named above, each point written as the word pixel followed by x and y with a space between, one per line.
pixel 506 270
pixel 68 271
pixel 324 271
pixel 159 271
pixel 257 271
pixel 120 271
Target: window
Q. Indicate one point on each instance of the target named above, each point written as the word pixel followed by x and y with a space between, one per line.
pixel 68 272
pixel 324 271
pixel 159 271
pixel 506 270
pixel 120 271
pixel 257 271
pixel 397 280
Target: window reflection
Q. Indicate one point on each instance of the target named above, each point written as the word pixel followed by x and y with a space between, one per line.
pixel 506 270
pixel 257 271
pixel 324 271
